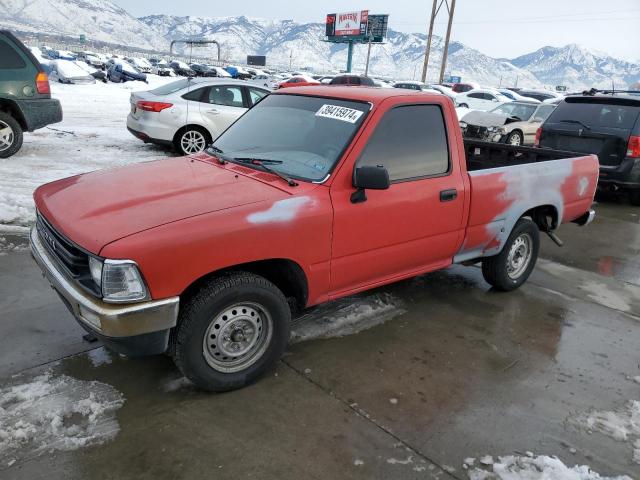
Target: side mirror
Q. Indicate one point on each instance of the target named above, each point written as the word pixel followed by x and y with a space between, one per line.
pixel 369 177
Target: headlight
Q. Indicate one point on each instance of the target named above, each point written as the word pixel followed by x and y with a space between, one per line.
pixel 95 267
pixel 122 282
pixel 492 129
pixel 463 124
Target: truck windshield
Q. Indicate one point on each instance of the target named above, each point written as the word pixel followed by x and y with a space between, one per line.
pixel 307 134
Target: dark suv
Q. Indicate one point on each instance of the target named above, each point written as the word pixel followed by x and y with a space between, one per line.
pixel 25 96
pixel 605 124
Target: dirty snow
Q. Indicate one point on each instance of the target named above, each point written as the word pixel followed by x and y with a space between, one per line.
pixel 92 136
pixel 542 467
pixel 55 412
pixel 7 246
pixel 622 425
pixel 346 316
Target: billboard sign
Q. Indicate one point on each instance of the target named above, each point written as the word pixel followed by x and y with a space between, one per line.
pixel 377 27
pixel 454 79
pixel 351 24
pixel 257 60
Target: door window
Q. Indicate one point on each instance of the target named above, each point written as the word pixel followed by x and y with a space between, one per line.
pixel 410 142
pixel 226 95
pixel 196 95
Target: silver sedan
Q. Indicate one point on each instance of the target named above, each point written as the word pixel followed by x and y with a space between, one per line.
pixel 189 114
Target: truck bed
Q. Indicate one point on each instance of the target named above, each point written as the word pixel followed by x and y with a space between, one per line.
pixel 483 155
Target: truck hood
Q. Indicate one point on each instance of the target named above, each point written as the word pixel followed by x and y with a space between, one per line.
pixel 97 208
pixel 486 119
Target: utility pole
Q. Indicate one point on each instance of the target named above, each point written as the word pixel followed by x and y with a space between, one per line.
pixel 366 68
pixel 446 41
pixel 428 50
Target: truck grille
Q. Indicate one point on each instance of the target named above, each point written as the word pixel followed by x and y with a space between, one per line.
pixel 72 260
pixel 473 131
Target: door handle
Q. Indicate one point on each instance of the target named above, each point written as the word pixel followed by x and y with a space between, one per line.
pixel 448 195
pixel 215 111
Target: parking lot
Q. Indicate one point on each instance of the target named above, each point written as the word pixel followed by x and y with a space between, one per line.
pixel 445 370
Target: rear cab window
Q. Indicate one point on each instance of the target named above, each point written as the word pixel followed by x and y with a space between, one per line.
pixel 410 142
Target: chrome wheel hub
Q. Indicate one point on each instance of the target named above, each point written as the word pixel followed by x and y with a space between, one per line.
pixel 6 136
pixel 193 141
pixel 519 256
pixel 515 140
pixel 237 337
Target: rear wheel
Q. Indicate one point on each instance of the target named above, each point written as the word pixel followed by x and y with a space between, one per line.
pixel 513 265
pixel 192 140
pixel 515 138
pixel 10 135
pixel 634 197
pixel 231 332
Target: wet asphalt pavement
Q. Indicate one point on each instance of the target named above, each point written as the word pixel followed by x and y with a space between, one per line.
pixel 448 370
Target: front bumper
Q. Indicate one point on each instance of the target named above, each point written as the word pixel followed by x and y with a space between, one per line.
pixel 145 324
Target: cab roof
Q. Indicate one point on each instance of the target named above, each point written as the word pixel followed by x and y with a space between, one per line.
pixel 372 95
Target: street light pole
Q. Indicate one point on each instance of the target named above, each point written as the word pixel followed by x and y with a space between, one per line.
pixel 446 41
pixel 428 50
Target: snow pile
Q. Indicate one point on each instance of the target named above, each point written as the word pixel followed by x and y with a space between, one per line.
pixel 56 413
pixel 346 317
pixel 514 467
pixel 622 425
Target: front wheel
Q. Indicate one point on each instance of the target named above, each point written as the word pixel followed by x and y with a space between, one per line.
pixel 515 138
pixel 513 265
pixel 10 135
pixel 231 332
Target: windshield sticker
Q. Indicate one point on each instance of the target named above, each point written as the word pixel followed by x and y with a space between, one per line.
pixel 339 113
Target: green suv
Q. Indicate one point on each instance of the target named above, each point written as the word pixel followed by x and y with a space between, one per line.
pixel 25 95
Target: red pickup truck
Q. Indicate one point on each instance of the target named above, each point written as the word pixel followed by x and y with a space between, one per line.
pixel 315 193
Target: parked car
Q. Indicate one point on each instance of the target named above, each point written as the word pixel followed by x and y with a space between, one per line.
pixel 141 64
pixel 203 70
pixel 541 95
pixel 353 80
pixel 161 67
pixel 237 72
pixel 464 87
pixel 120 71
pixel 516 97
pixel 182 69
pixel 481 99
pixel 61 55
pixel 25 95
pixel 266 81
pixel 98 74
pixel 204 257
pixel 298 81
pixel 220 72
pixel 189 114
pixel 66 71
pixel 410 85
pixel 445 91
pixel 607 125
pixel 514 123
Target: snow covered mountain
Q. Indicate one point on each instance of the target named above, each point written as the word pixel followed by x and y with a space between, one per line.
pixel 300 45
pixel 98 19
pixel 287 43
pixel 579 67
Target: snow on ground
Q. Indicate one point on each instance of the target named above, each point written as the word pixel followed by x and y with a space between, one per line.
pixel 346 317
pixel 7 246
pixel 622 425
pixel 542 467
pixel 55 412
pixel 92 136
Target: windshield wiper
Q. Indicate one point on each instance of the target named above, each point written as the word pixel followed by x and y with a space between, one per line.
pixel 218 157
pixel 577 122
pixel 262 163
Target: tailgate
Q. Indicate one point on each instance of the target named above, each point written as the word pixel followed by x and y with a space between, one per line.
pixel 609 145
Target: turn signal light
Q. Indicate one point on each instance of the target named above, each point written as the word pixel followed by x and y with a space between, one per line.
pixel 536 142
pixel 42 83
pixel 633 147
pixel 153 106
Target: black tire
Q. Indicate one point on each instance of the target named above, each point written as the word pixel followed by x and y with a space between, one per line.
pixel 495 269
pixel 515 136
pixel 207 307
pixel 180 139
pixel 634 197
pixel 14 137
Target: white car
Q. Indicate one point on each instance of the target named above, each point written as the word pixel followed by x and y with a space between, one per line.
pixel 516 97
pixel 483 99
pixel 141 64
pixel 265 80
pixel 189 113
pixel 445 91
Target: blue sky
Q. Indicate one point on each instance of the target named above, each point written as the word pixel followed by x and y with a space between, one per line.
pixel 500 28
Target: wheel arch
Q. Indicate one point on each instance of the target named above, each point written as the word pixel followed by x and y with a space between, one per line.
pixel 199 126
pixel 284 273
pixel 11 107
